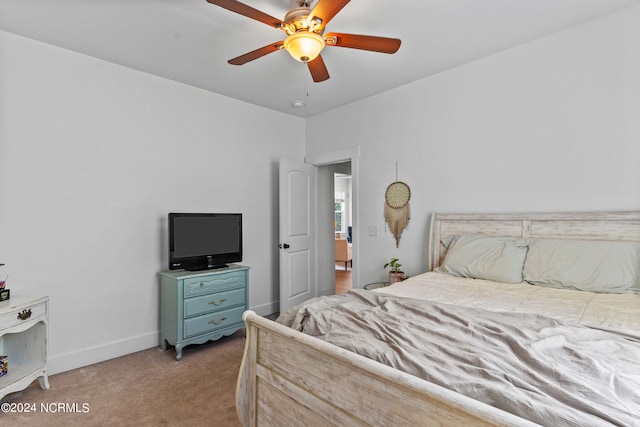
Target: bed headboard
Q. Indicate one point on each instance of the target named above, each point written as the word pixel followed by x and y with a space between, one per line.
pixel 570 225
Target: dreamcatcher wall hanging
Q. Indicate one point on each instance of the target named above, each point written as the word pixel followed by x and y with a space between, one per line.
pixel 396 207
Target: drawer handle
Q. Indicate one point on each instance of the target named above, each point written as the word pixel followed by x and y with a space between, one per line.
pixel 217 303
pixel 217 322
pixel 24 315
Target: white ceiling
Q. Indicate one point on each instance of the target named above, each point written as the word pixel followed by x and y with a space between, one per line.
pixel 190 41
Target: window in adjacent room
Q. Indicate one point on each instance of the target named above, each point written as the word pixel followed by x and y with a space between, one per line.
pixel 339 216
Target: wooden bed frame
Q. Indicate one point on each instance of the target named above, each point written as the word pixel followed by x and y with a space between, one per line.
pixel 289 378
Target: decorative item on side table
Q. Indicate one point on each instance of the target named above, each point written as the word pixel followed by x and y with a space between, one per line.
pixel 4 292
pixel 395 274
pixel 4 363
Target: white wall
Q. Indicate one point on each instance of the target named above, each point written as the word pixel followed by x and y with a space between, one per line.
pixel 548 126
pixel 92 158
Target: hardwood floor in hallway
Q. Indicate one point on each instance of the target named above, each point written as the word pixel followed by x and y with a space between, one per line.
pixel 343 279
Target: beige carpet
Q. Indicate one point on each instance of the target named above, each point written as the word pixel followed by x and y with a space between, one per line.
pixel 148 388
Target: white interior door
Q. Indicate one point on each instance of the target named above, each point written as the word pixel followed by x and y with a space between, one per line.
pixel 297 232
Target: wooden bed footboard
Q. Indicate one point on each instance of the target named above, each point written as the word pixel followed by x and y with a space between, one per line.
pixel 290 379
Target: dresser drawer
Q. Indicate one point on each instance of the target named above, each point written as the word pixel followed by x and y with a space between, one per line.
pixel 213 302
pixel 21 315
pixel 215 283
pixel 211 322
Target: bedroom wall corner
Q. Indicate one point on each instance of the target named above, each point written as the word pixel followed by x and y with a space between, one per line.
pixel 92 158
pixel 550 125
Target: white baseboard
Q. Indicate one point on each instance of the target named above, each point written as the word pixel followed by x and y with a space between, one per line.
pixel 88 356
pixel 326 292
pixel 266 309
pixel 78 359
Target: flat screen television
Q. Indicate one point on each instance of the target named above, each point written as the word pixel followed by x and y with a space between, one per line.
pixel 202 241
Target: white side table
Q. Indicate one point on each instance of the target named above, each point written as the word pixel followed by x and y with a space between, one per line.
pixel 24 339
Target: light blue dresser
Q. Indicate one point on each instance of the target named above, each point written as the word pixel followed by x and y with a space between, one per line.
pixel 196 307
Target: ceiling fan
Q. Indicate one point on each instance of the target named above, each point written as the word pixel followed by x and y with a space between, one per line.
pixel 304 28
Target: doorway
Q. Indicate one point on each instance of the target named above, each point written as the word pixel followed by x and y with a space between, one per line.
pixel 327 163
pixel 343 227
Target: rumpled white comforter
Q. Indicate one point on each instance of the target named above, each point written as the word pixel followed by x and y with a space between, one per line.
pixel 618 313
pixel 535 366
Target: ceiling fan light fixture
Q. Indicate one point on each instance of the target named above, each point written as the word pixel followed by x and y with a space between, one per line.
pixel 304 46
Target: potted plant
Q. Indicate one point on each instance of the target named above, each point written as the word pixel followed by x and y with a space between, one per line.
pixel 395 274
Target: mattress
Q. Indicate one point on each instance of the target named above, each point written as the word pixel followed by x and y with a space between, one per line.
pixel 618 313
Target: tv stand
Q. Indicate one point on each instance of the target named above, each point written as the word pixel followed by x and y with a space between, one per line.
pixel 196 307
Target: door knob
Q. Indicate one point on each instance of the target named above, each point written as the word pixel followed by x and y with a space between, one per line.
pixel 286 246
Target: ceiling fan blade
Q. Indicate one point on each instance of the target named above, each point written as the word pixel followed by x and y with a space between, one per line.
pixel 318 70
pixel 249 12
pixel 357 41
pixel 255 54
pixel 325 10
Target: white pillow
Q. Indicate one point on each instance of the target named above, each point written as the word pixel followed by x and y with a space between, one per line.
pixel 499 259
pixel 586 265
